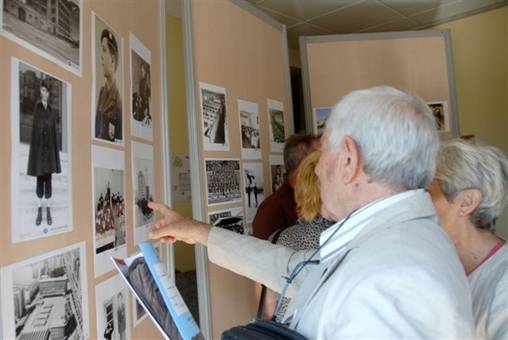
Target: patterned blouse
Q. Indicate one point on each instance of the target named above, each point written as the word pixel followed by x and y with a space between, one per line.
pixel 303 235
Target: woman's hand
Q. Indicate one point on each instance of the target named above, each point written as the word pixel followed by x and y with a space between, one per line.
pixel 173 227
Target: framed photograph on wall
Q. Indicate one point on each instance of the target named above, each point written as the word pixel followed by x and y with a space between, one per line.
pixel 277 172
pixel 276 125
pixel 45 295
pixel 214 117
pixel 141 89
pixel 441 115
pixel 112 309
pixel 41 164
pixel 249 130
pixel 253 183
pixel 107 83
pixel 51 29
pixel 222 181
pixel 321 114
pixel 143 188
pixel 230 219
pixel 108 206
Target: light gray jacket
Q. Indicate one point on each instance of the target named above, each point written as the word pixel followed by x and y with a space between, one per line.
pixel 401 278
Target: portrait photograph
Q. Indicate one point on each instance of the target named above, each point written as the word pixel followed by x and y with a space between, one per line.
pixel 223 180
pixel 107 83
pixel 109 221
pixel 321 114
pixel 214 117
pixel 254 192
pixel 112 309
pixel 440 114
pixel 50 28
pixel 141 89
pixel 276 125
pixel 230 219
pixel 277 172
pixel 41 185
pixel 143 187
pixel 45 297
pixel 249 129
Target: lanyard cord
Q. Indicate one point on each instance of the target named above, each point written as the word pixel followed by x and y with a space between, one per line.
pixel 299 267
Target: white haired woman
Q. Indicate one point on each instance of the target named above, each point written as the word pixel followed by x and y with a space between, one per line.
pixel 469 192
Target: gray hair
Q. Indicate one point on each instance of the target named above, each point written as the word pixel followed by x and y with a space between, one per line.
pixel 462 165
pixel 395 132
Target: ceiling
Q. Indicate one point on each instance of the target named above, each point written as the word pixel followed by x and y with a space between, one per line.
pixel 318 17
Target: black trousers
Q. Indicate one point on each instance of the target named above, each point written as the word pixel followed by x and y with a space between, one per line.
pixel 44 186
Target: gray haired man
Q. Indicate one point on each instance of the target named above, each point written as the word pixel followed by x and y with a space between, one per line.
pixel 386 269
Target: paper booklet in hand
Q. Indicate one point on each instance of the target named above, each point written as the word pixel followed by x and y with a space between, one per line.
pixel 148 280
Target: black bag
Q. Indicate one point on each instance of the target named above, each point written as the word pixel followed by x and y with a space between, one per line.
pixel 261 329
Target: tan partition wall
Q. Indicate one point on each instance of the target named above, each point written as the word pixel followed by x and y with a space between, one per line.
pixel 415 62
pixel 236 48
pixel 140 18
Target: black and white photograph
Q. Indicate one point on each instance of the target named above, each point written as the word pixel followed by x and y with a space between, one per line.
pixel 143 187
pixel 141 89
pixel 107 83
pixel 109 221
pixel 254 192
pixel 49 28
pixel 45 297
pixel 112 309
pixel 440 113
pixel 230 219
pixel 214 117
pixel 277 172
pixel 41 185
pixel 249 129
pixel 321 114
pixel 223 180
pixel 276 125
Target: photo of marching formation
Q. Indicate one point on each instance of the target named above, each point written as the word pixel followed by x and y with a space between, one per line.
pixel 51 28
pixel 277 172
pixel 249 127
pixel 108 207
pixel 223 180
pixel 321 114
pixel 253 188
pixel 141 90
pixel 41 175
pixel 112 309
pixel 143 186
pixel 45 297
pixel 214 117
pixel 231 219
pixel 107 83
pixel 440 113
pixel 276 125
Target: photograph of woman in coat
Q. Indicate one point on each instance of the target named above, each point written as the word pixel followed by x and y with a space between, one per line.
pixel 44 154
pixel 108 115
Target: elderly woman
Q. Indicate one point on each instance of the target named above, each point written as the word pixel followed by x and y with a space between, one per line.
pixel 469 192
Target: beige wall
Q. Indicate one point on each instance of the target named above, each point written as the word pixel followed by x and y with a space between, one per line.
pixel 480 48
pixel 178 135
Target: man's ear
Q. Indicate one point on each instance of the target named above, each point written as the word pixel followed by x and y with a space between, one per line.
pixel 350 157
pixel 469 200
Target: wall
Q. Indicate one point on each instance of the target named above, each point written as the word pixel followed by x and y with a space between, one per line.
pixel 178 135
pixel 142 19
pixel 480 48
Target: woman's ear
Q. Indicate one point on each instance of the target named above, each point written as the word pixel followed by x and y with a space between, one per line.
pixel 469 201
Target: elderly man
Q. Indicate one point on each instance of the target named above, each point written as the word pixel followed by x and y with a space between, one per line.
pixel 386 269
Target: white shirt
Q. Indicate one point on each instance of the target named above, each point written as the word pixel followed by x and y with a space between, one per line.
pixel 489 287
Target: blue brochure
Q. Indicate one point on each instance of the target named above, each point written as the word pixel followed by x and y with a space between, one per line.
pixel 148 279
